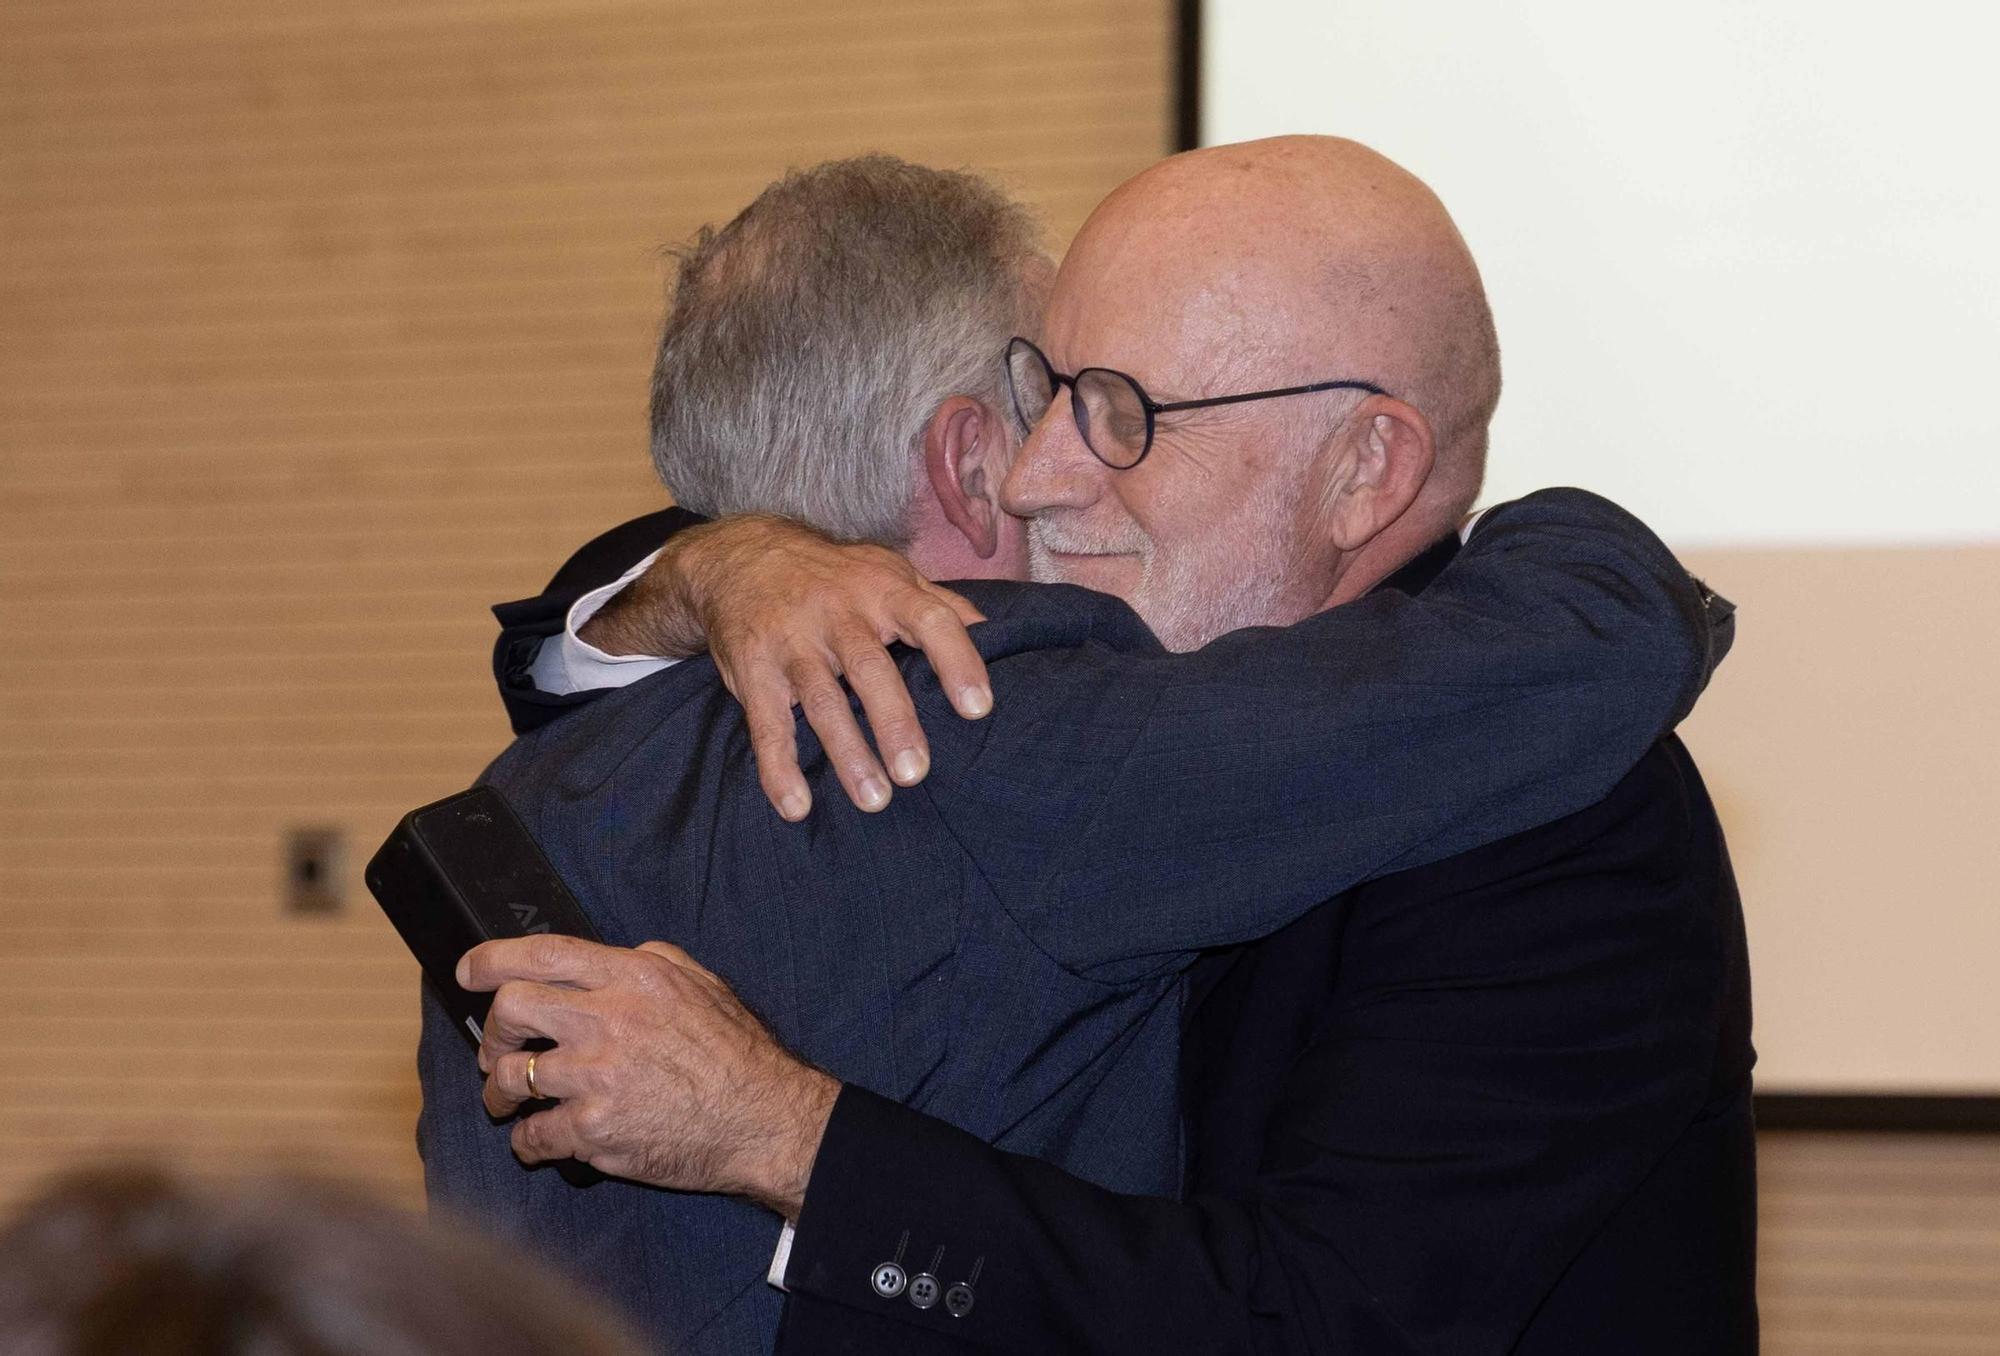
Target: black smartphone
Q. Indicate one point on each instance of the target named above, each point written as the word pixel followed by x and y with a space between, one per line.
pixel 465 870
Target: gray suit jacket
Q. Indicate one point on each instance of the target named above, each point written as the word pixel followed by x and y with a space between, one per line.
pixel 1003 947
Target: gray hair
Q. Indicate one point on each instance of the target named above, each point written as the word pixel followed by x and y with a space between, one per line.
pixel 812 338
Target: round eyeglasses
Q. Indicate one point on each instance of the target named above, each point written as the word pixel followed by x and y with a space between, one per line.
pixel 1114 415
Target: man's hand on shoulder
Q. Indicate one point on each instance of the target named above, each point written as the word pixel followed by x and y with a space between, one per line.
pixel 787 613
pixel 659 1073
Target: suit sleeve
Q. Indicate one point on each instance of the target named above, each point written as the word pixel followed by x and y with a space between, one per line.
pixel 527 622
pixel 1052 1263
pixel 1130 809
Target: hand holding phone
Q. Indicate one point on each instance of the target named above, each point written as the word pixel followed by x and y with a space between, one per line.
pixel 465 870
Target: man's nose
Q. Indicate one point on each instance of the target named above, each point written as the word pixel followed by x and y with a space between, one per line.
pixel 1055 468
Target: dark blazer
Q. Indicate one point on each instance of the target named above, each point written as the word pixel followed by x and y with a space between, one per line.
pixel 1028 913
pixel 1498 1103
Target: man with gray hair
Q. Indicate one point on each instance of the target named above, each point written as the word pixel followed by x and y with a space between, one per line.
pixel 828 356
pixel 1001 945
pixel 849 301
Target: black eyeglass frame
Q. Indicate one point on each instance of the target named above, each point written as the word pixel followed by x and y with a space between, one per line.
pixel 1152 407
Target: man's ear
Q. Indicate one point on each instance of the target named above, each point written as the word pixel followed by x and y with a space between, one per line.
pixel 965 461
pixel 1382 458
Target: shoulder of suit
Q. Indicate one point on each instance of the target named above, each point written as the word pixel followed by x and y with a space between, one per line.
pixel 1023 616
pixel 660 717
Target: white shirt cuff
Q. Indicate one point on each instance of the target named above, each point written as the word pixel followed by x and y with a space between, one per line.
pixel 782 1258
pixel 568 663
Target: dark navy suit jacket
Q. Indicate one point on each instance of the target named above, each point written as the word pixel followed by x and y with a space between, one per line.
pixel 1002 949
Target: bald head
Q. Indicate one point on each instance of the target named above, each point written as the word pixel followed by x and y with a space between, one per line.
pixel 1296 262
pixel 1306 258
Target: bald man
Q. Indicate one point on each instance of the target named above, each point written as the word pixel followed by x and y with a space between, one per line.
pixel 1495 1102
pixel 1283 263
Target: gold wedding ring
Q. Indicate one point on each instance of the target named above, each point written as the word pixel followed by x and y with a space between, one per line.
pixel 532 1092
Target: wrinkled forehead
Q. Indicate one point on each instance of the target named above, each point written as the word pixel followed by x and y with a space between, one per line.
pixel 1180 301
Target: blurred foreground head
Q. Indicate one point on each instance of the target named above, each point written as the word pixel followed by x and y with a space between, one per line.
pixel 133 1262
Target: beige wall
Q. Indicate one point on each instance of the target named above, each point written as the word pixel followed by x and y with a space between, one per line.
pixel 324 327
pixel 1852 744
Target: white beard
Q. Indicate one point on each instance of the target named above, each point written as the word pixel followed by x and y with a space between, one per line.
pixel 1237 574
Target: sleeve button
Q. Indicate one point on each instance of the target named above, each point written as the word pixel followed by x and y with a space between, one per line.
pixel 958 1300
pixel 889 1280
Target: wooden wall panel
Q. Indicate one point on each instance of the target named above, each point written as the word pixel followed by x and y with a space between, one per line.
pixel 1879 1245
pixel 325 326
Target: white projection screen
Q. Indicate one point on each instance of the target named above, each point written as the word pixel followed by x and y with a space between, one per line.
pixel 1745 261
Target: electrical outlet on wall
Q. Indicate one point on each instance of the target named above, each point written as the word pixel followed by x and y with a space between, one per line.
pixel 315 870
